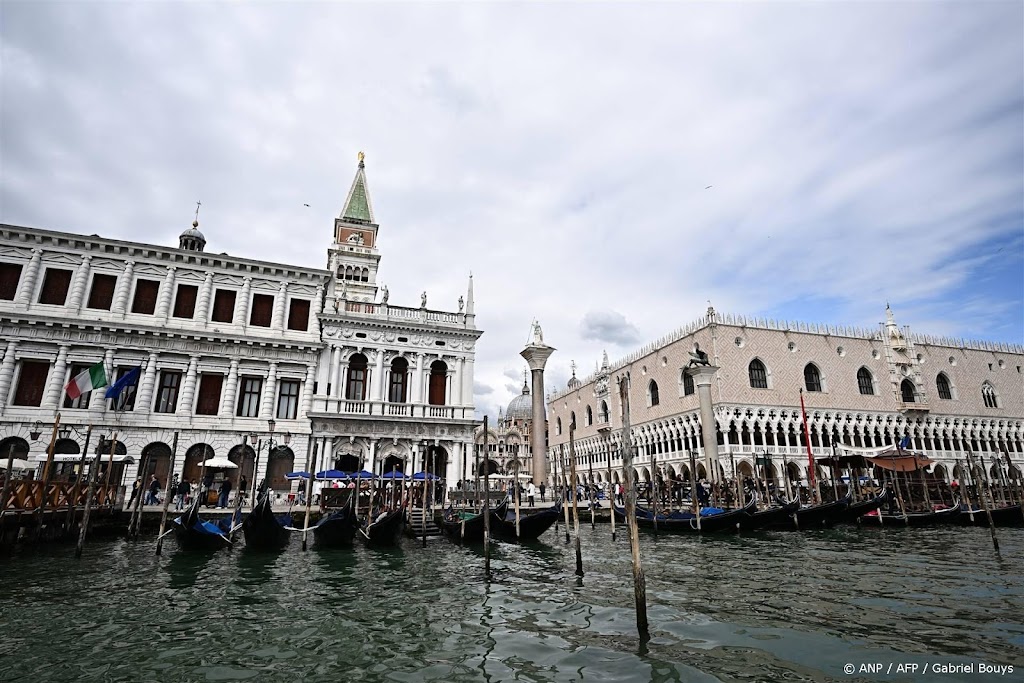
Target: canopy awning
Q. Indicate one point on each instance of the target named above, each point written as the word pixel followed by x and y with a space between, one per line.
pixel 890 457
pixel 17 464
pixel 420 476
pixel 75 457
pixel 330 474
pixel 297 475
pixel 219 463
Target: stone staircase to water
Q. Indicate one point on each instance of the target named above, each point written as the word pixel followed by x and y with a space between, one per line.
pixel 416 521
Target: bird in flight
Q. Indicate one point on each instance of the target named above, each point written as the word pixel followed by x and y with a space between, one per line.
pixel 305 204
pixel 709 187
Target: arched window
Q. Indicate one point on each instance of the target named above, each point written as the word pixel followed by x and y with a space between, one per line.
pixel 907 391
pixel 688 384
pixel 652 393
pixel 558 425
pixel 604 411
pixel 988 395
pixel 590 416
pixel 758 374
pixel 572 420
pixel 865 383
pixel 355 387
pixel 366 275
pixel 398 384
pixel 812 377
pixel 942 386
pixel 438 379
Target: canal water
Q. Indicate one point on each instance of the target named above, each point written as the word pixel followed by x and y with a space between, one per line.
pixel 765 607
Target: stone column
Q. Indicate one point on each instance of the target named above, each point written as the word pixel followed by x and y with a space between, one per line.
pixel 316 309
pixel 307 391
pixel 227 399
pixel 97 400
pixel 79 283
pixel 702 376
pixel 163 299
pixel 417 380
pixel 269 392
pixel 336 372
pixel 188 390
pixel 144 399
pixel 7 373
pixel 536 355
pixel 124 285
pixel 277 317
pixel 377 390
pixel 242 303
pixel 55 383
pixel 28 279
pixel 449 387
pixel 371 459
pixel 203 305
pixel 460 365
pixel 467 383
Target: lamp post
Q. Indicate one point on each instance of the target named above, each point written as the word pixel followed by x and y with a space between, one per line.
pixel 271 444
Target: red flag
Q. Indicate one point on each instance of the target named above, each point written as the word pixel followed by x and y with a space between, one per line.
pixel 810 455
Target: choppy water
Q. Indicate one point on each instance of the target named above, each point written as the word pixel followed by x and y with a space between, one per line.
pixel 766 607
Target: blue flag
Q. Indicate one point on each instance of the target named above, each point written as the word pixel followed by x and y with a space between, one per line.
pixel 130 379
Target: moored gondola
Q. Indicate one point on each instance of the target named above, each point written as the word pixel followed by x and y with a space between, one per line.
pixel 855 511
pixel 263 529
pixel 948 515
pixel 336 530
pixel 1007 515
pixel 194 533
pixel 777 514
pixel 712 521
pixel 468 527
pixel 385 530
pixel 815 516
pixel 531 525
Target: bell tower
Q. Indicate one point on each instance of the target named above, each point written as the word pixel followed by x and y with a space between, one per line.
pixel 353 256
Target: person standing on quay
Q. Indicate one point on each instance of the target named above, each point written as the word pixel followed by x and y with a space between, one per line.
pixel 225 489
pixel 183 491
pixel 543 490
pixel 135 491
pixel 531 492
pixel 154 488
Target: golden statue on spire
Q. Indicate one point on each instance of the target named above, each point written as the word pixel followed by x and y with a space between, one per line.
pixel 361 157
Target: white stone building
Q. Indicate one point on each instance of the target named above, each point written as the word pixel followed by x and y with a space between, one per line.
pixel 862 387
pixel 508 439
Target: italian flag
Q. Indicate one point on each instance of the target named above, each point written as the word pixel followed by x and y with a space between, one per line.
pixel 93 378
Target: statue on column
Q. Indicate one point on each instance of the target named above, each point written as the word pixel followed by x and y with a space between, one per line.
pixel 698 357
pixel 538 335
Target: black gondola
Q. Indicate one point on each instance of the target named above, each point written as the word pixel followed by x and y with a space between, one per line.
pixel 855 511
pixel 948 515
pixel 815 516
pixel 531 525
pixel 1008 515
pixel 263 529
pixel 386 530
pixel 686 522
pixel 336 530
pixel 194 533
pixel 777 514
pixel 468 528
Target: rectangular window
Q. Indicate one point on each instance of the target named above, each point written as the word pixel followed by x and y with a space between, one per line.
pixel 209 394
pixel 167 397
pixel 10 273
pixel 31 382
pixel 396 386
pixel 125 401
pixel 145 296
pixel 249 397
pixel 83 400
pixel 288 400
pixel 185 301
pixel 262 310
pixel 298 315
pixel 55 286
pixel 223 306
pixel 101 294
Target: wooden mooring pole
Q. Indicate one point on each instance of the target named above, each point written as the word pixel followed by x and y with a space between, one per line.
pixel 639 583
pixel 93 475
pixel 487 506
pixel 986 505
pixel 611 488
pixel 47 471
pixel 575 505
pixel 309 493
pixel 170 494
pixel 73 503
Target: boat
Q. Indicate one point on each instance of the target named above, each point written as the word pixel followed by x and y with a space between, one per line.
pixel 1007 515
pixel 531 525
pixel 777 514
pixel 195 533
pixel 263 529
pixel 948 515
pixel 854 511
pixel 815 516
pixel 336 530
pixel 711 519
pixel 385 530
pixel 468 527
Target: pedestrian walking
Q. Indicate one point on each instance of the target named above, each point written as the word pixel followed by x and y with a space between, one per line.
pixel 154 488
pixel 225 489
pixel 531 492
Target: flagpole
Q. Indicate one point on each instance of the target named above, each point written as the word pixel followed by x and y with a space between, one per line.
pixel 810 455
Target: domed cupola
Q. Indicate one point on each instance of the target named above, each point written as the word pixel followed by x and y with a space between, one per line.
pixel 573 383
pixel 192 239
pixel 521 407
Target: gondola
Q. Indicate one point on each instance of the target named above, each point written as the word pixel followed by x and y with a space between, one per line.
pixel 263 529
pixel 194 533
pixel 336 530
pixel 386 530
pixel 465 527
pixel 777 514
pixel 815 516
pixel 531 525
pixel 855 511
pixel 1008 515
pixel 686 522
pixel 948 515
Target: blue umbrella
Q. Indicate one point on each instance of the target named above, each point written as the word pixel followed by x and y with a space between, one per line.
pixel 362 474
pixel 420 476
pixel 330 474
pixel 394 475
pixel 297 475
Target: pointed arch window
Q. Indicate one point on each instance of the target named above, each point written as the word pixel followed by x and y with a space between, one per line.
pixel 355 387
pixel 988 395
pixel 590 417
pixel 558 425
pixel 865 382
pixel 758 374
pixel 652 393
pixel 907 392
pixel 812 377
pixel 604 411
pixel 687 384
pixel 942 387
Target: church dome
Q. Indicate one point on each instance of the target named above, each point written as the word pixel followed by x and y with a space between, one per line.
pixel 192 239
pixel 521 407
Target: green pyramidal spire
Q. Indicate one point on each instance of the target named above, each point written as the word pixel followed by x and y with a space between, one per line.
pixel 357 204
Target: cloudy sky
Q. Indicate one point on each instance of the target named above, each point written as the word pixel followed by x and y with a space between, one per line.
pixel 605 168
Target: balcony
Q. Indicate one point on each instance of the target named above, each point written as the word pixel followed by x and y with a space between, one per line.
pixel 325 405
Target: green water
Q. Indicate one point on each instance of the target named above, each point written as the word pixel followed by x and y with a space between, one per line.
pixel 765 607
